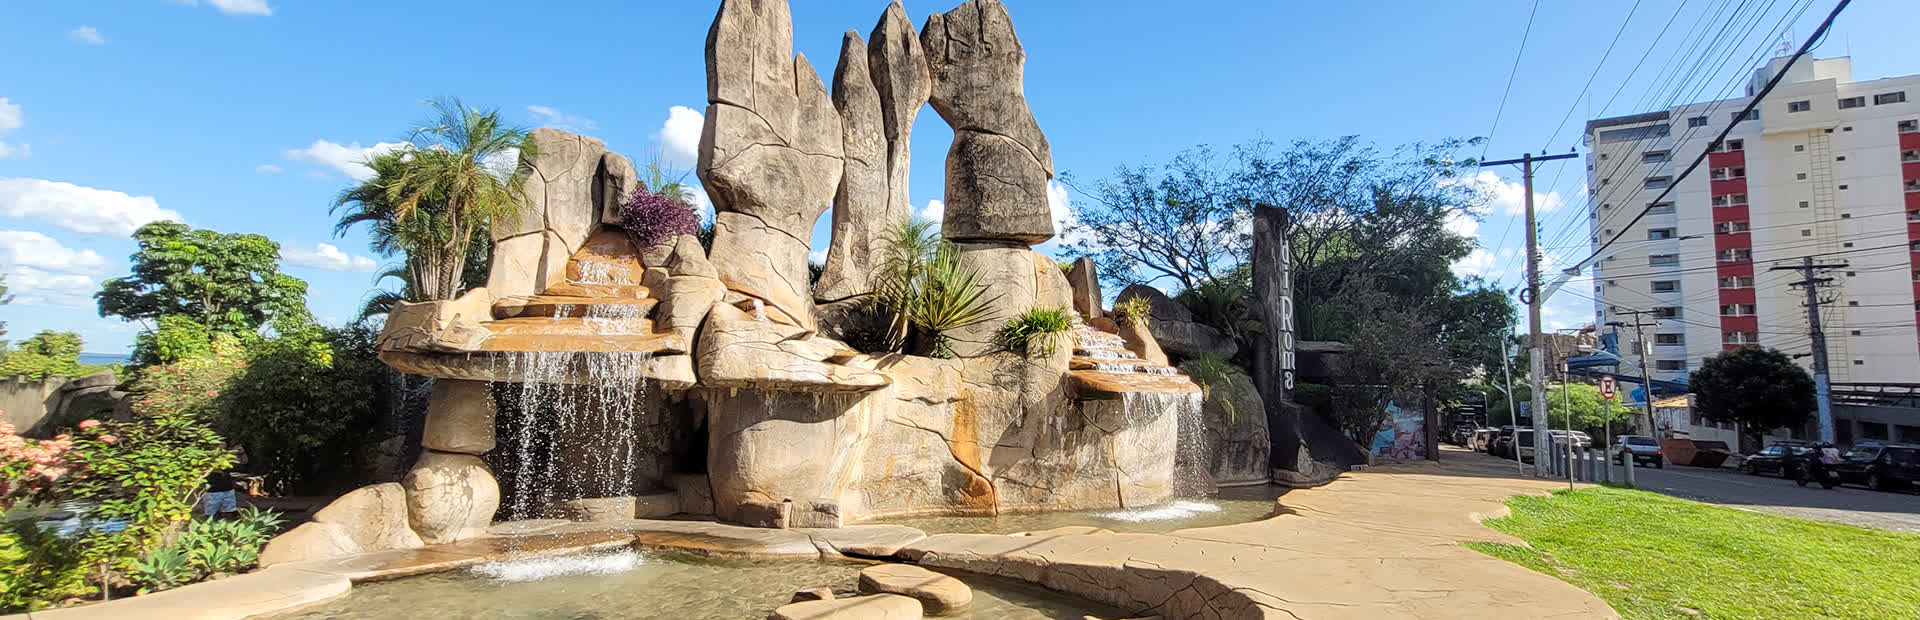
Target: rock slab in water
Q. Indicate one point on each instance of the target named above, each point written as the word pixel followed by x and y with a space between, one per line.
pixel 938 594
pixel 870 607
pixel 450 497
pixel 812 594
pixel 459 417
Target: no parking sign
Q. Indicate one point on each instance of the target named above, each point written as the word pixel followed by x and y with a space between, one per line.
pixel 1608 389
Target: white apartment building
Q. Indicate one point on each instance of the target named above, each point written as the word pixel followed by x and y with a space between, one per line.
pixel 1827 167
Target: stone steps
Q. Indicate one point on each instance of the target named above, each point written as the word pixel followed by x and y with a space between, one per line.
pixel 547 334
pixel 565 306
pixel 580 289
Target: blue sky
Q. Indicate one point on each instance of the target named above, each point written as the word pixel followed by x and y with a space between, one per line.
pixel 246 115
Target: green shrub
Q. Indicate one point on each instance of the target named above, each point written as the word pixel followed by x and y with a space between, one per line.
pixel 37 568
pixel 923 285
pixel 46 354
pixel 161 569
pixel 1039 327
pixel 1215 375
pixel 1133 311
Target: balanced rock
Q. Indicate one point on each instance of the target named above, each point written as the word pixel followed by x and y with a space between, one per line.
pixel 1086 288
pixel 999 163
pixel 613 184
pixel 870 607
pixel 459 417
pixel 770 154
pixel 938 594
pixel 441 326
pixel 860 220
pixel 450 497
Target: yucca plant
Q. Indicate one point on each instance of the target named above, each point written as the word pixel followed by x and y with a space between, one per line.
pixel 1133 311
pixel 1036 330
pixel 927 290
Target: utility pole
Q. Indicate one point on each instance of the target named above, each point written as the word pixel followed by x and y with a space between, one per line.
pixel 1536 355
pixel 1646 372
pixel 1822 378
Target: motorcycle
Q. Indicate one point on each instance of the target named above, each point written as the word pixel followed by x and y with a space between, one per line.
pixel 1812 470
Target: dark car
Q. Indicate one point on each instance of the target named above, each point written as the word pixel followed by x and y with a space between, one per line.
pixel 1881 466
pixel 1644 449
pixel 1502 444
pixel 1461 433
pixel 1780 459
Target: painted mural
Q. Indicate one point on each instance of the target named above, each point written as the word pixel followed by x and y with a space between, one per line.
pixel 1404 436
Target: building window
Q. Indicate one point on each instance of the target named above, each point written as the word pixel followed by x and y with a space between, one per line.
pixel 1670 365
pixel 1806 232
pixel 1859 362
pixel 1913 185
pixel 1658 182
pixel 1663 260
pixel 1736 255
pixel 1736 282
pixel 1729 172
pixel 1668 286
pixel 1913 246
pixel 1886 98
pixel 1854 332
pixel 1728 228
pixel 1799 147
pixel 1910 156
pixel 1799 106
pixel 1660 208
pixel 1666 312
pixel 1840 158
pixel 1800 176
pixel 1909 126
pixel 1853 102
pixel 1752 115
pixel 1739 338
pixel 1803 204
pixel 1655 234
pixel 1730 200
pixel 1654 157
pixel 1728 146
pixel 1696 121
pixel 1669 339
pixel 1736 309
pixel 1913 216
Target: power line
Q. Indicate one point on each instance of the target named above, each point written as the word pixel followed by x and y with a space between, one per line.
pixel 1590 77
pixel 1737 119
pixel 1517 55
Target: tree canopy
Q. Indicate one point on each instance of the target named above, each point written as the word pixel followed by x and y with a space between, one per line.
pixel 227 282
pixel 1755 387
pixel 46 354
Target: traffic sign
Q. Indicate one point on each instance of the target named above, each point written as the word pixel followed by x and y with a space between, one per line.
pixel 1608 389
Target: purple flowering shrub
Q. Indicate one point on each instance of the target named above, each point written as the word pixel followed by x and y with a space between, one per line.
pixel 652 218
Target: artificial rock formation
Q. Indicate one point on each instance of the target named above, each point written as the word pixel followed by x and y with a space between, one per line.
pixel 1175 330
pixel 1086 288
pixel 878 87
pixel 459 417
pixel 939 594
pixel 450 497
pixel 770 155
pixel 566 188
pixel 999 163
pixel 372 518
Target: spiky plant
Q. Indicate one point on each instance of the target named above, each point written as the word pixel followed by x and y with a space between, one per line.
pixel 1036 330
pixel 928 291
pixel 1216 378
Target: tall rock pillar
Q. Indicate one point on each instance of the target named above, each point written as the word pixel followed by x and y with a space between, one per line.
pixel 999 164
pixel 878 88
pixel 1273 354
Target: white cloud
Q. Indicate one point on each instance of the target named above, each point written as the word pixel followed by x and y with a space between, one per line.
pixel 328 257
pixel 234 7
pixel 87 35
pixel 37 287
pixel 1464 224
pixel 817 257
pixel 268 168
pixel 8 151
pixel 1508 197
pixel 935 210
pixel 25 248
pixel 80 209
pixel 349 159
pixel 679 137
pixel 10 116
pixel 549 117
pixel 1479 262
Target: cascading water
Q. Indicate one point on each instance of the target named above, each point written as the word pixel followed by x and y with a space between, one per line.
pixel 1143 414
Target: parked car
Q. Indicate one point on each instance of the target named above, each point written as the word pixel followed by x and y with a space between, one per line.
pixel 1780 459
pixel 1461 433
pixel 1644 449
pixel 1881 466
pixel 1502 443
pixel 1580 439
pixel 1523 443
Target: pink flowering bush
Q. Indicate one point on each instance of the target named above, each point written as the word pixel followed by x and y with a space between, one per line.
pixel 653 218
pixel 28 468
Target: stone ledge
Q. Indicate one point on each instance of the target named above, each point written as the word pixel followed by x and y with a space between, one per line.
pixel 241 596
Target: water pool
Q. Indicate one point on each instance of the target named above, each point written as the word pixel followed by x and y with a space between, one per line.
pixel 1228 506
pixel 652 584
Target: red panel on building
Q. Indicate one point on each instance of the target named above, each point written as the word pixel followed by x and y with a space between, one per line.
pixel 1732 240
pixel 1729 186
pixel 1736 295
pixel 1729 270
pixel 1739 214
pixel 1729 158
pixel 1910 170
pixel 1739 324
pixel 1909 140
pixel 1913 230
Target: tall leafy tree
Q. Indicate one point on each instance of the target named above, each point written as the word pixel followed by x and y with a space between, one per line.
pixel 460 175
pixel 226 282
pixel 1755 387
pixel 46 354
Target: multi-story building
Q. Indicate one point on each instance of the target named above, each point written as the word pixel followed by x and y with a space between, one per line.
pixel 1825 166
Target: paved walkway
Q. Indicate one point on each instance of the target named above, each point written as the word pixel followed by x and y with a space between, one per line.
pixel 1847 504
pixel 1377 544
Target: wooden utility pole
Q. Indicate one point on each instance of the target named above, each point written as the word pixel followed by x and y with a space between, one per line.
pixel 1822 377
pixel 1536 356
pixel 1646 372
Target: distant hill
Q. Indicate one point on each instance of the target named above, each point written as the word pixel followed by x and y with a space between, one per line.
pixel 103 359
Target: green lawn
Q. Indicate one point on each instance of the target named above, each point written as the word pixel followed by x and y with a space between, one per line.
pixel 1654 556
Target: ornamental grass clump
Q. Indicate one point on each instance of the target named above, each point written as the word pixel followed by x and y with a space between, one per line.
pixel 1133 311
pixel 1035 331
pixel 923 286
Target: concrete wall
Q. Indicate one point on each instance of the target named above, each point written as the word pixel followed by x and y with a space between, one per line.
pixel 27 402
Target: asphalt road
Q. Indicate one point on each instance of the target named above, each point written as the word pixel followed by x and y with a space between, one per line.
pixel 1845 504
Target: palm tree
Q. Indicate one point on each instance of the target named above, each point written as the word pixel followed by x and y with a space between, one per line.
pixel 456 180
